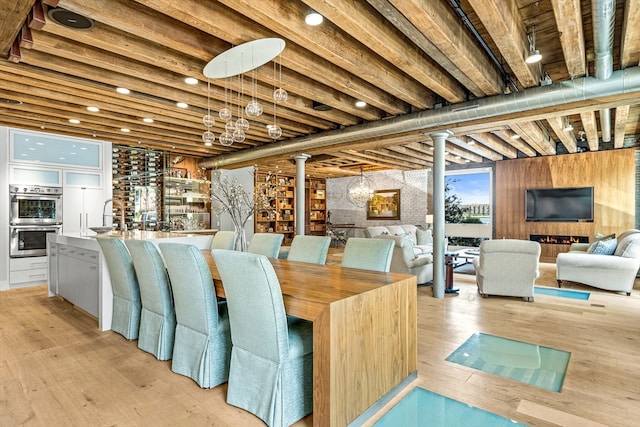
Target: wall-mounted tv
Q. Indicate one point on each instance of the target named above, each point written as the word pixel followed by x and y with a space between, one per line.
pixel 559 204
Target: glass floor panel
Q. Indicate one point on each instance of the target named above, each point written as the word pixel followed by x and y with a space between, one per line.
pixel 531 364
pixel 423 408
pixel 563 293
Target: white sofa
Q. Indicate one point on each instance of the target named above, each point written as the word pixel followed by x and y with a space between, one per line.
pixel 615 272
pixel 422 240
pixel 404 260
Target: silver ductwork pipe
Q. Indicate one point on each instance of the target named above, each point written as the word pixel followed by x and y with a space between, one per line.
pixel 557 94
pixel 604 16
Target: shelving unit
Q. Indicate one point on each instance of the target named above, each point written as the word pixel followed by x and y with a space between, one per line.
pixel 316 211
pixel 277 213
pixel 187 203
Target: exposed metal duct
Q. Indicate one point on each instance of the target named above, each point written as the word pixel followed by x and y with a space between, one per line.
pixel 582 89
pixel 604 16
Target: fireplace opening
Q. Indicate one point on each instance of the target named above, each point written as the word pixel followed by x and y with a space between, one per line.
pixel 554 239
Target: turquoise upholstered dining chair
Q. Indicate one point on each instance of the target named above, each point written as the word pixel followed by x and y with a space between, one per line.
pixel 158 319
pixel 224 240
pixel 202 346
pixel 368 254
pixel 267 244
pixel 311 249
pixel 126 291
pixel 271 373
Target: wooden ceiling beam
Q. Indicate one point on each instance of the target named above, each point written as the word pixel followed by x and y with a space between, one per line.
pixel 369 158
pixel 622 114
pixel 569 21
pixel 442 26
pixel 590 127
pixel 512 138
pixel 478 149
pixel 533 135
pixel 331 43
pixel 567 138
pixel 630 45
pixel 502 20
pixel 364 23
pixel 496 144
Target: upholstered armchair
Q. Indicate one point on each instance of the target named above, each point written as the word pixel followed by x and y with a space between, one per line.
pixel 267 244
pixel 507 267
pixel 126 290
pixel 368 254
pixel 404 259
pixel 158 316
pixel 271 372
pixel 223 240
pixel 202 346
pixel 612 271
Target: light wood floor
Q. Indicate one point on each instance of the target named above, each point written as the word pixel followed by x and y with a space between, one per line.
pixel 57 369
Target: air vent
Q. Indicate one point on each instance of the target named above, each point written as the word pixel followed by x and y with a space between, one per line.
pixel 319 106
pixel 10 101
pixel 70 19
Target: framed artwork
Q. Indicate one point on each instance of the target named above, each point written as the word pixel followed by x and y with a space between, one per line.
pixel 385 204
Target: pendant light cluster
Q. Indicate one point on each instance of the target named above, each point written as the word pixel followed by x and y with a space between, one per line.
pixel 234 62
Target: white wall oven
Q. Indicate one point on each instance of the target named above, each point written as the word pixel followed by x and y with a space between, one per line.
pixel 34 212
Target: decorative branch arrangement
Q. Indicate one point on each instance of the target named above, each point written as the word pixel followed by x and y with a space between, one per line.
pixel 231 197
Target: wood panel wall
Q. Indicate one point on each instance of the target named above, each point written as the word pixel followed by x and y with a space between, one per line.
pixel 611 173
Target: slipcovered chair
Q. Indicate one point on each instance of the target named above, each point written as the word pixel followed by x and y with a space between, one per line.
pixel 158 319
pixel 312 249
pixel 224 240
pixel 124 283
pixel 368 254
pixel 202 347
pixel 267 244
pixel 587 264
pixel 507 267
pixel 404 259
pixel 271 372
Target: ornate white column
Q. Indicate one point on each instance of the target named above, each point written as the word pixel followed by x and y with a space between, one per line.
pixel 438 212
pixel 300 199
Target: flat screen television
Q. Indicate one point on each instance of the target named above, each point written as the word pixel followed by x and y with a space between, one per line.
pixel 559 204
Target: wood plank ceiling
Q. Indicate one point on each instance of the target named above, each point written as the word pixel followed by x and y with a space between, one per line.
pixel 398 56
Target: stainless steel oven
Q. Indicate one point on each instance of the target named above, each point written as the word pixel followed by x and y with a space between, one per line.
pixel 30 240
pixel 35 205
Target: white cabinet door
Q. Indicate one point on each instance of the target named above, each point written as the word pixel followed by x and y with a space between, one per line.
pixel 81 206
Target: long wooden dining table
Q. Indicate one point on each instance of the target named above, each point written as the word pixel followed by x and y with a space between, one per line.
pixel 364 333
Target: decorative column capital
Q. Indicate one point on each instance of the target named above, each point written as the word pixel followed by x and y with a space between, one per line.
pixel 302 157
pixel 440 134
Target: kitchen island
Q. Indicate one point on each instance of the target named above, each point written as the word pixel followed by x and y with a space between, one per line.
pixel 78 271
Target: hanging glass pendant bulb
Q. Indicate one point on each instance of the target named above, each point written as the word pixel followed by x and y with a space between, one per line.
pixel 230 126
pixel 253 109
pixel 208 137
pixel 224 114
pixel 239 135
pixel 226 139
pixel 274 131
pixel 280 95
pixel 242 124
pixel 208 120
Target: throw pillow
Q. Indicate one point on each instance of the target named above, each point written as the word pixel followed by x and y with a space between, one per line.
pixel 424 237
pixel 605 247
pixel 592 247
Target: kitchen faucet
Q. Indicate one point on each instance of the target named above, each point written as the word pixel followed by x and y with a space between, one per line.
pixel 105 215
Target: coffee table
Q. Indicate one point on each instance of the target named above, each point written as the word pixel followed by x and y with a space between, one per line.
pixel 453 259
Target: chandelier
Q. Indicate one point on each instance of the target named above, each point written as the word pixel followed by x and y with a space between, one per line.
pixel 234 62
pixel 360 190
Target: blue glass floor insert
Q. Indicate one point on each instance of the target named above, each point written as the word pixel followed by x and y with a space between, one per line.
pixel 531 364
pixel 423 408
pixel 563 293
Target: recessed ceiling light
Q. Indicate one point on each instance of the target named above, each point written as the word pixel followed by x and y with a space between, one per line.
pixel 191 80
pixel 125 130
pixel 93 109
pixel 361 104
pixel 147 120
pixel 182 104
pixel 515 136
pixel 471 142
pixel 74 121
pixel 123 90
pixel 313 18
